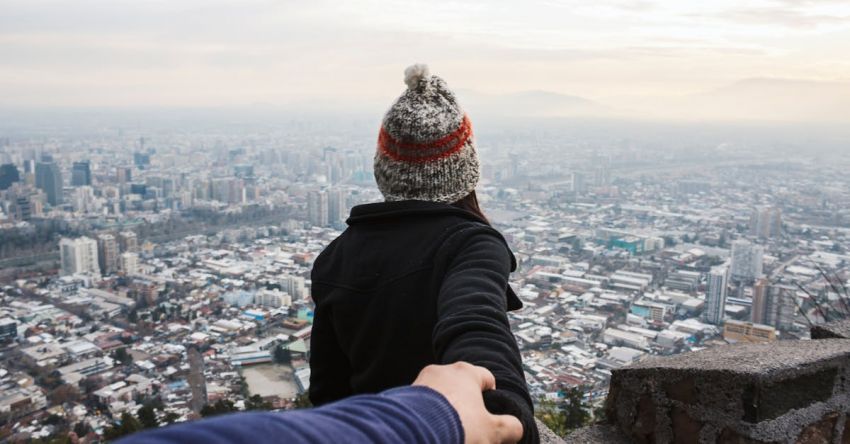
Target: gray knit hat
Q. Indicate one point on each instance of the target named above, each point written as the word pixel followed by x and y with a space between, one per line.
pixel 425 148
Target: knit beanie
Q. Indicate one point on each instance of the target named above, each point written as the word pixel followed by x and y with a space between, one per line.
pixel 425 147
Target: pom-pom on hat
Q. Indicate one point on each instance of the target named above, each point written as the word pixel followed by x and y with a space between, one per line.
pixel 426 150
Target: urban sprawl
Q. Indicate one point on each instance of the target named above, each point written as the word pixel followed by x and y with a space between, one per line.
pixel 172 269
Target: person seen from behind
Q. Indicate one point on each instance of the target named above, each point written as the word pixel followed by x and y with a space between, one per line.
pixel 421 278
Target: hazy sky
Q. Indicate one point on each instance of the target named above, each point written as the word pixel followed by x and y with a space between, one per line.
pixel 236 52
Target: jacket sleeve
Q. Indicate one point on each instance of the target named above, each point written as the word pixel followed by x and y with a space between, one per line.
pixel 409 415
pixel 472 323
pixel 330 371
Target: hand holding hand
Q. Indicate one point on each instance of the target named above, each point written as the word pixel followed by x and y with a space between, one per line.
pixel 462 384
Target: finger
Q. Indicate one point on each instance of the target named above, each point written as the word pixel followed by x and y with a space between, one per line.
pixel 485 379
pixel 508 429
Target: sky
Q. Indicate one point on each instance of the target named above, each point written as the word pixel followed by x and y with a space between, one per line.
pixel 625 54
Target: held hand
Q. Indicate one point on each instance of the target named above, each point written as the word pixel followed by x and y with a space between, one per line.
pixel 462 383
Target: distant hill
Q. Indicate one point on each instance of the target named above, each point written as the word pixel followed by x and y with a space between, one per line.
pixel 773 99
pixel 530 104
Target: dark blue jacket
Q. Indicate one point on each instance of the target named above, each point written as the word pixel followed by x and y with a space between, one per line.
pixel 409 284
pixel 403 415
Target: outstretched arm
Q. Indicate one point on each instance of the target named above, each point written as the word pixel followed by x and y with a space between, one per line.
pixel 443 406
pixel 472 323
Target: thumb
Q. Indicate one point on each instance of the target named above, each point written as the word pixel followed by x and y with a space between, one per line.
pixel 506 429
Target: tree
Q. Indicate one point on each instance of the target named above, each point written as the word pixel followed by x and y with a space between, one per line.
pixel 147 417
pixel 302 401
pixel 575 409
pixel 566 415
pixel 91 383
pixel 170 418
pixel 128 424
pixel 220 407
pixel 257 402
pixel 53 419
pixel 64 393
pixel 243 387
pixel 122 356
pixel 669 241
pixel 551 416
pixel 82 429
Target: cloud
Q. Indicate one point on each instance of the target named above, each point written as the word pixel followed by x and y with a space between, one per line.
pixel 201 52
pixel 786 17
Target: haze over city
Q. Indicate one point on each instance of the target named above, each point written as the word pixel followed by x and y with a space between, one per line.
pixel 722 60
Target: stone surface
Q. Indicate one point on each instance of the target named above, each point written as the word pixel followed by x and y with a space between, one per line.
pixel 754 359
pixel 787 391
pixel 834 329
pixel 819 432
pixel 685 428
pixel 596 434
pixel 547 436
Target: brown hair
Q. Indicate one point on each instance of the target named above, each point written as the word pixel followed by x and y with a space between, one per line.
pixel 470 203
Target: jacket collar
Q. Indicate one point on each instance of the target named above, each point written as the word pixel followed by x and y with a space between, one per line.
pixel 381 210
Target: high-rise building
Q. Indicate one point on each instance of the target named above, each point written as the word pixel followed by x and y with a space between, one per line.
pixel 29 166
pixel 773 305
pixel 601 176
pixel 577 182
pixel 81 174
pixel 766 222
pixel 9 174
pixel 79 256
pixel 25 202
pixel 83 200
pixel 228 190
pixel 294 285
pixel 715 298
pixel 243 170
pixel 107 253
pixel 128 241
pixel 747 261
pixel 129 263
pixel 124 175
pixel 317 208
pixel 780 307
pixel 757 314
pixel 336 207
pixel 48 178
pixel 141 159
pixel 8 329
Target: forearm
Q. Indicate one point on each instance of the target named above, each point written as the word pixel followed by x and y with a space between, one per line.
pixel 473 325
pixel 409 414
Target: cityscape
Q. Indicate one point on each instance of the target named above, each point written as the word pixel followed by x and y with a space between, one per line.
pixel 162 274
pixel 671 177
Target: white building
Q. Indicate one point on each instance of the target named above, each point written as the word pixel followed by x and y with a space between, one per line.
pixel 317 208
pixel 272 298
pixel 107 253
pixel 129 263
pixel 336 206
pixel 747 260
pixel 715 298
pixel 613 336
pixel 79 256
pixel 294 285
